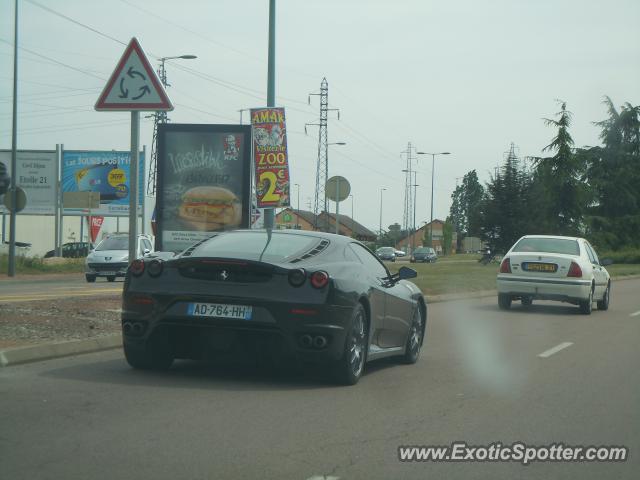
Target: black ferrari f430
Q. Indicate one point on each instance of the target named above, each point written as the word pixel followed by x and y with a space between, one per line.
pixel 309 296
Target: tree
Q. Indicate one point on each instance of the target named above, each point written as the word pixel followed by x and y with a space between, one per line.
pixel 465 211
pixel 505 208
pixel 613 173
pixel 447 236
pixel 564 200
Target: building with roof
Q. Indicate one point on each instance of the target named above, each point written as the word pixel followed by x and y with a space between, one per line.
pixel 420 237
pixel 305 220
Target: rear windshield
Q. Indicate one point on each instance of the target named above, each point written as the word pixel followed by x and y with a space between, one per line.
pixel 114 243
pixel 256 246
pixel 424 250
pixel 387 250
pixel 548 245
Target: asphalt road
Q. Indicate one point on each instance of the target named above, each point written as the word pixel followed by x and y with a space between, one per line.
pixel 42 287
pixel 485 376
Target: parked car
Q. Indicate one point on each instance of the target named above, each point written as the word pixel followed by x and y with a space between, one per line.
pixel 424 254
pixel 544 267
pixel 400 253
pixel 304 296
pixel 72 250
pixel 110 258
pixel 386 253
pixel 5 179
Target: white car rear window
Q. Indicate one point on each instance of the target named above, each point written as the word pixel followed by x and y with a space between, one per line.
pixel 548 245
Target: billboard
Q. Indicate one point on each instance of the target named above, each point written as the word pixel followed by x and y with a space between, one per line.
pixel 37 176
pixel 204 182
pixel 106 172
pixel 270 157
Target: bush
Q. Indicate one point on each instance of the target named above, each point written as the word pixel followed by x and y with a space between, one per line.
pixel 40 265
pixel 627 255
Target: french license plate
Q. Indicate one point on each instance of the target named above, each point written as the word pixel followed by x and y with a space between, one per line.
pixel 108 274
pixel 219 310
pixel 540 267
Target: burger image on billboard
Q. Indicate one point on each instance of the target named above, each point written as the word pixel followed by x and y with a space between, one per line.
pixel 210 208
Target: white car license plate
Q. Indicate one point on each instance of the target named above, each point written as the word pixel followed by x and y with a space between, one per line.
pixel 219 310
pixel 108 274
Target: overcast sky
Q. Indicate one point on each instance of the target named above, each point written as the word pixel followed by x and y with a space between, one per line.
pixel 468 77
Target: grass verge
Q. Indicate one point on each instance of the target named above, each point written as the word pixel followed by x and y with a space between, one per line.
pixel 37 265
pixel 453 277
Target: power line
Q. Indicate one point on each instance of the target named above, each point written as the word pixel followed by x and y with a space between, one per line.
pixel 56 61
pixel 80 24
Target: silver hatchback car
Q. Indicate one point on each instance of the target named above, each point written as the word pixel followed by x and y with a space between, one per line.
pixel 110 258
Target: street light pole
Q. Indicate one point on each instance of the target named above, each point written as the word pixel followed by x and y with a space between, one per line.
pixel 269 213
pixel 381 190
pixel 415 194
pixel 298 209
pixel 433 164
pixel 352 220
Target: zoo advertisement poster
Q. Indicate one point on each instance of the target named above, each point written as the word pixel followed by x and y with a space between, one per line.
pixel 36 175
pixel 270 157
pixel 106 172
pixel 204 182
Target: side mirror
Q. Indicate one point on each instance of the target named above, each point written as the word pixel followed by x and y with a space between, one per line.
pixel 606 261
pixel 146 252
pixel 405 273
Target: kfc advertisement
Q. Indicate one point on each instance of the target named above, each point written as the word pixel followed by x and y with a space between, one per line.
pixel 203 182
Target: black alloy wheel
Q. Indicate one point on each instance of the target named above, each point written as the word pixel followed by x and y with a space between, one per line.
pixel 90 278
pixel 414 339
pixel 350 367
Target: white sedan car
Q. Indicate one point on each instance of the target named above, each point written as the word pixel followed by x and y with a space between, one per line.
pixel 546 267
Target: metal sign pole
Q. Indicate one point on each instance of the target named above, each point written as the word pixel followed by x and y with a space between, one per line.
pixel 56 240
pixel 269 213
pixel 338 206
pixel 60 203
pixel 133 186
pixel 14 133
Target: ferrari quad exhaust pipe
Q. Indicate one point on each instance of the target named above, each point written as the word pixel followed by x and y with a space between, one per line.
pixel 319 341
pixel 136 329
pixel 306 341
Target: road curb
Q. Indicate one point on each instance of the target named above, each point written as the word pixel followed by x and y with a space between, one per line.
pixel 47 351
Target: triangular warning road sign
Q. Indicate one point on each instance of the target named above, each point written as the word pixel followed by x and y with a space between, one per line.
pixel 133 85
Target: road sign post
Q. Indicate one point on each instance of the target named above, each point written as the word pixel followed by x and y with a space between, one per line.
pixel 135 87
pixel 337 189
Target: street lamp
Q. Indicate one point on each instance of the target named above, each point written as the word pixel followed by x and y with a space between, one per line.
pixel 298 209
pixel 433 164
pixel 352 220
pixel 381 190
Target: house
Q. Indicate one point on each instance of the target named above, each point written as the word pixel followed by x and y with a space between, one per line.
pixel 420 238
pixel 326 222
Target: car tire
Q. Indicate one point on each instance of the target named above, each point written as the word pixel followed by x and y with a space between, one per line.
pixel 504 301
pixel 526 301
pixel 148 358
pixel 604 303
pixel 90 278
pixel 111 279
pixel 587 305
pixel 414 341
pixel 349 368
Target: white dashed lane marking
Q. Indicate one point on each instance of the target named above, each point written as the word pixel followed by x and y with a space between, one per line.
pixel 555 349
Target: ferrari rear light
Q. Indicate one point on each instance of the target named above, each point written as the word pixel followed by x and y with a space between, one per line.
pixel 297 277
pixel 137 267
pixel 574 270
pixel 319 279
pixel 154 269
pixel 505 266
